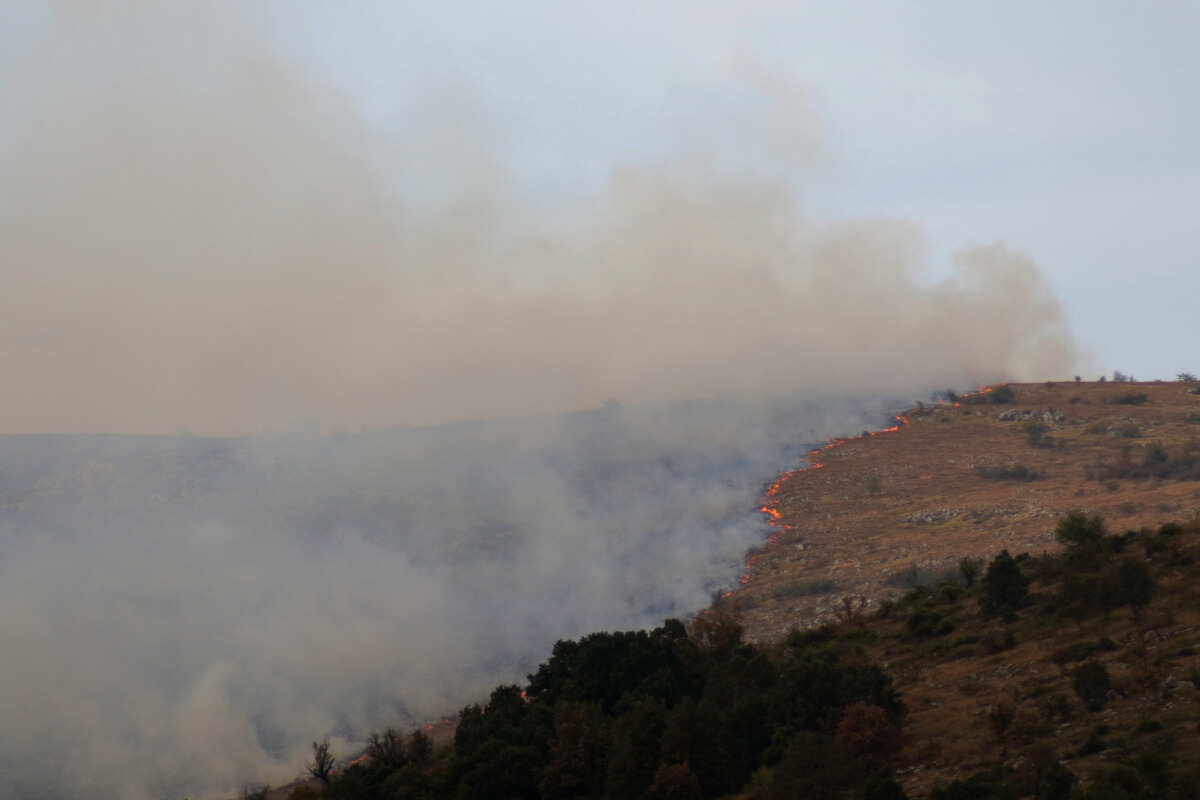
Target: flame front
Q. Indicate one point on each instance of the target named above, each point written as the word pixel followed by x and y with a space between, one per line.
pixel 769 507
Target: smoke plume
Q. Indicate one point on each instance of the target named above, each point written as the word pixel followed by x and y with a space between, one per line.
pixel 195 236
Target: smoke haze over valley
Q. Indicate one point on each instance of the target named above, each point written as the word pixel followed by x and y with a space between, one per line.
pixel 195 234
pixel 182 615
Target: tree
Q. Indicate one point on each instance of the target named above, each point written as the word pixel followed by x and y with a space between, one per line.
pixel 1091 683
pixel 969 568
pixel 1134 586
pixel 674 782
pixel 1004 586
pixel 1185 377
pixel 576 767
pixel 321 764
pixel 1076 529
pixel 866 728
pixel 420 748
pixel 386 748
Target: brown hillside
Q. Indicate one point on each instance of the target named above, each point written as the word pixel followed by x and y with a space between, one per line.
pixel 932 507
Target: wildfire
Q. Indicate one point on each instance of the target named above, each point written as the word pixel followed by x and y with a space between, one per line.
pixel 980 392
pixel 775 516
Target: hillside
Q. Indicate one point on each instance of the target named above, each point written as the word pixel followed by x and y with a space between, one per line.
pixel 1024 624
pixel 876 509
pixel 842 537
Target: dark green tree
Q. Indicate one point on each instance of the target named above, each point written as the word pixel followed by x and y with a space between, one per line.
pixel 1133 585
pixel 1005 586
pixel 1077 530
pixel 577 755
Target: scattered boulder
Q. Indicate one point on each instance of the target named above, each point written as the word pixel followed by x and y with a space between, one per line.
pixel 1024 414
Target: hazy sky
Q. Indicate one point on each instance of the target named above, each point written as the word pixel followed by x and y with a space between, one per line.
pixel 1067 130
pixel 217 216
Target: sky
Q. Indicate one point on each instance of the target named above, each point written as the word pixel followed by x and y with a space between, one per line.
pixel 216 217
pixel 1066 130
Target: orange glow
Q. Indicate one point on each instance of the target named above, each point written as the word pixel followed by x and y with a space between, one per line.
pixel 775 516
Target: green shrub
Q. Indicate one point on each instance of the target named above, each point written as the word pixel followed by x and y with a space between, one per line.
pixel 948 593
pixel 926 623
pixel 1002 394
pixel 1018 472
pixel 1132 399
pixel 1035 433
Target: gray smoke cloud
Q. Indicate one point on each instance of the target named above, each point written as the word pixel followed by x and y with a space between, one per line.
pixel 194 235
pixel 181 615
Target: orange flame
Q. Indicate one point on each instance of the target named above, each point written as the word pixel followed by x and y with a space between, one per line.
pixel 775 516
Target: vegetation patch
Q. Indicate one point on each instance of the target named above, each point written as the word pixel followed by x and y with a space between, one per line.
pixel 804 589
pixel 1017 472
pixel 1156 460
pixel 1131 399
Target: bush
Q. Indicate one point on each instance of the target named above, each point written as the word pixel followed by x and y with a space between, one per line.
pixel 926 623
pixel 1019 472
pixel 999 395
pixel 1136 399
pixel 1003 394
pixel 1035 433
